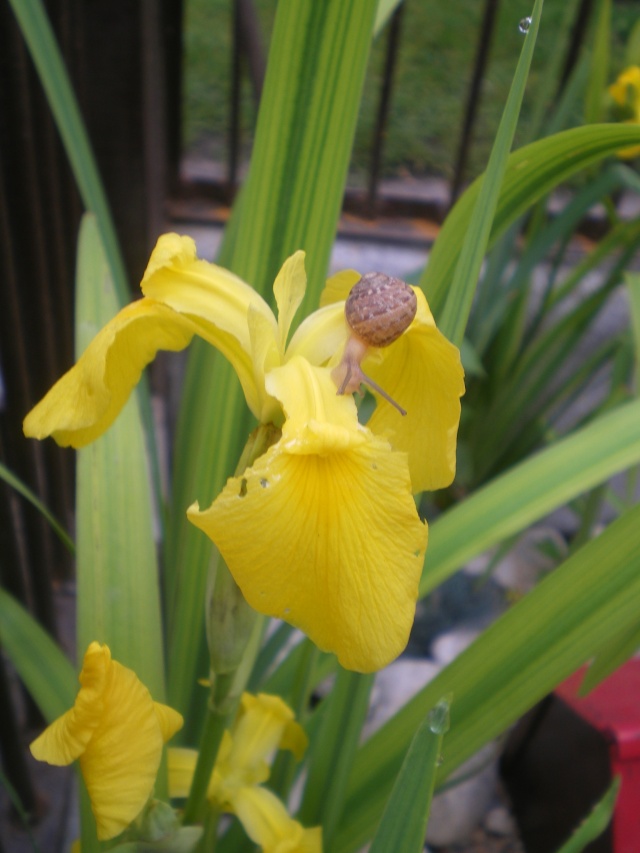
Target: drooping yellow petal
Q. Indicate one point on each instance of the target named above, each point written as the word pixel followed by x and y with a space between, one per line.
pixel 289 289
pixel 122 731
pixel 322 531
pixel 87 399
pixel 423 373
pixel 67 737
pixel 268 824
pixel 217 301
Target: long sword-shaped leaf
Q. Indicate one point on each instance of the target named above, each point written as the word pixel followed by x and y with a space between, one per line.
pixel 118 596
pixel 46 672
pixel 565 621
pixel 595 824
pixel 47 58
pixel 532 172
pixel 463 286
pixel 116 564
pixel 404 821
pixel 531 490
pixel 291 200
pixel 16 483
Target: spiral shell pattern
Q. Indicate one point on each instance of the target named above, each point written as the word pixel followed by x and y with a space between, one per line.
pixel 380 308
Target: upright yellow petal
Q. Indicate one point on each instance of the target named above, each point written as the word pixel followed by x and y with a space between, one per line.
pixel 321 336
pixel 423 373
pixel 268 824
pixel 337 287
pixel 87 399
pixel 122 731
pixel 289 289
pixel 322 531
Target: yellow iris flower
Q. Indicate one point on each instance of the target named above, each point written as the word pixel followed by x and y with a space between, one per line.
pixel 117 732
pixel 322 531
pixel 626 95
pixel 264 724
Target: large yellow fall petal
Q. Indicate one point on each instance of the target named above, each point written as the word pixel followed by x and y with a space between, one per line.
pixel 423 373
pixel 122 731
pixel 322 531
pixel 87 399
pixel 268 824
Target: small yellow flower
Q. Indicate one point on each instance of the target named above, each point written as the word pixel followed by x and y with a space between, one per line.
pixel 264 724
pixel 626 95
pixel 117 732
pixel 322 531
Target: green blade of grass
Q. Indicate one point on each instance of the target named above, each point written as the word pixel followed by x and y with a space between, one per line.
pixel 47 58
pixel 459 296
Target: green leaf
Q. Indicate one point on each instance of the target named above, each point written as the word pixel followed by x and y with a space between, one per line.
pixel 404 820
pixel 531 490
pixel 632 282
pixel 46 672
pixel 534 646
pixel 599 69
pixel 118 595
pixel 291 200
pixel 460 293
pixel 332 751
pixel 17 484
pixel 385 10
pixel 49 63
pixel 532 172
pixel 595 824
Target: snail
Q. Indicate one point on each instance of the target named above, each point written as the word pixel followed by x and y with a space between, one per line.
pixel 378 310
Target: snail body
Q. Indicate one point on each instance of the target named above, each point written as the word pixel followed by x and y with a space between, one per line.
pixel 378 310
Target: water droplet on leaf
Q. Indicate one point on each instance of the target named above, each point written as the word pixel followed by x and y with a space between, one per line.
pixel 524 25
pixel 439 716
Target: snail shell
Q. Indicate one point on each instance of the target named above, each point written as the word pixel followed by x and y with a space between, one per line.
pixel 379 308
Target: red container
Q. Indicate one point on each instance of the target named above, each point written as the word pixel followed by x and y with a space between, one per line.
pixel 613 709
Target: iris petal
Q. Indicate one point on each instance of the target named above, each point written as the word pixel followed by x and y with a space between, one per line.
pixel 267 823
pixel 215 300
pixel 122 730
pixel 338 502
pixel 289 289
pixel 423 373
pixel 87 399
